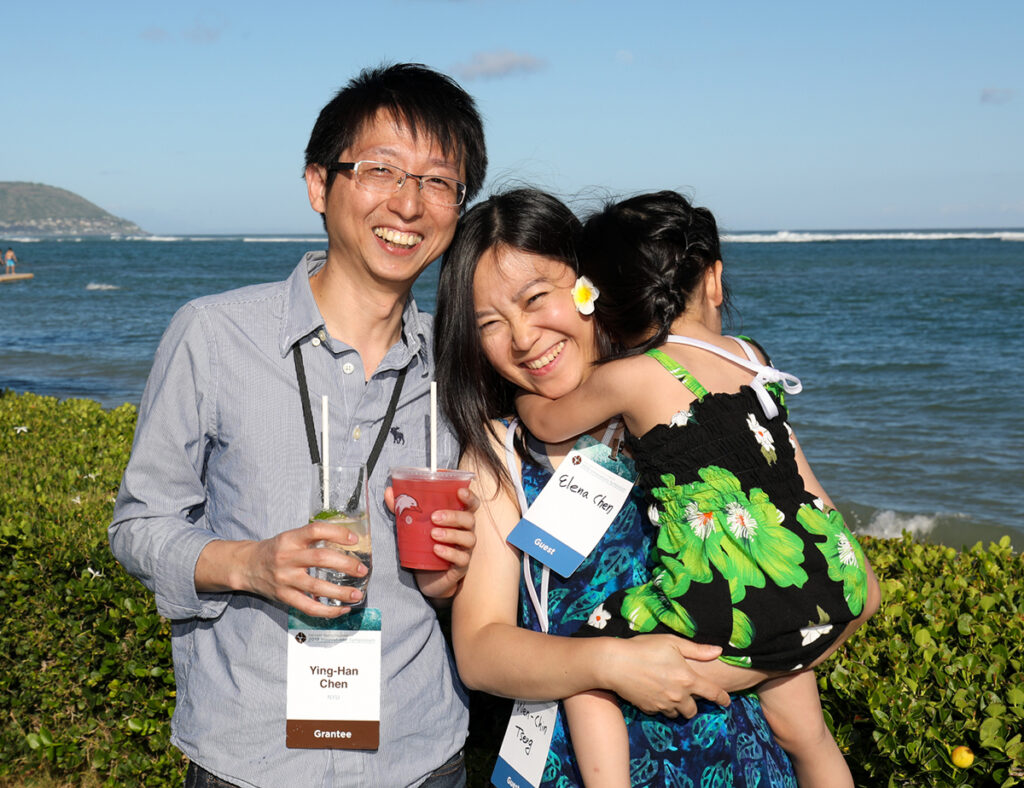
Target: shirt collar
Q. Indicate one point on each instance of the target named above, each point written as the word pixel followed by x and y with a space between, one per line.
pixel 302 316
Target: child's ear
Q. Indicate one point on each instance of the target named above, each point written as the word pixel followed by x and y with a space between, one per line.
pixel 713 284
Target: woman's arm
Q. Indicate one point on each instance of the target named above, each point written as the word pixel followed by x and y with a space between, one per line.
pixel 496 656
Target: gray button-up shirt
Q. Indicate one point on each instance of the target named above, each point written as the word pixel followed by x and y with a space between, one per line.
pixel 220 452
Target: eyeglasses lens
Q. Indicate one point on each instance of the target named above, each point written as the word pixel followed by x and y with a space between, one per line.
pixel 436 189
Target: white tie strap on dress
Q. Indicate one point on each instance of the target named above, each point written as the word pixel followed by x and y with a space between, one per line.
pixel 764 373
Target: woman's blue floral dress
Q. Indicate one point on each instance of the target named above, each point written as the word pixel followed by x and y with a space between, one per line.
pixel 720 747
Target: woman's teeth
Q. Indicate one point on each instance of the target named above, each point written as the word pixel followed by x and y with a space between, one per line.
pixel 396 238
pixel 544 360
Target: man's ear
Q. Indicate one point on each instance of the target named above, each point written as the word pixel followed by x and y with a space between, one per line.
pixel 316 186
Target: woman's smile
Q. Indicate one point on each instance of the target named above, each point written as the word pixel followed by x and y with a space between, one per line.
pixel 538 364
pixel 530 330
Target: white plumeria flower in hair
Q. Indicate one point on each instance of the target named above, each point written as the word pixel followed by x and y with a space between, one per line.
pixel 584 294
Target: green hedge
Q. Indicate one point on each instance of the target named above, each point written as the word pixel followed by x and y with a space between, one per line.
pixel 88 687
pixel 939 666
pixel 85 661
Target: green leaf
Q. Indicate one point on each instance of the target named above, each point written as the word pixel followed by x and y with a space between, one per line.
pixel 989 732
pixel 923 637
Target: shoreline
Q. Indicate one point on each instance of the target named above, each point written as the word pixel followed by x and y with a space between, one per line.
pixel 956 530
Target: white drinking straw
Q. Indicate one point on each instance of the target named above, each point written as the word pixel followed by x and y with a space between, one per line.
pixel 325 450
pixel 433 426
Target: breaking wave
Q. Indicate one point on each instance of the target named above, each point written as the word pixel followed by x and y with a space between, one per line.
pixel 794 237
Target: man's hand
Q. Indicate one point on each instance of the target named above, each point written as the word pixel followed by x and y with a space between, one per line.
pixel 277 568
pixel 454 530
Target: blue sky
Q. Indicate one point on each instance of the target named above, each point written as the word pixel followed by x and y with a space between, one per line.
pixel 192 117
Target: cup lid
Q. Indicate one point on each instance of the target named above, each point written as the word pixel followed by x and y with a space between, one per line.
pixel 425 474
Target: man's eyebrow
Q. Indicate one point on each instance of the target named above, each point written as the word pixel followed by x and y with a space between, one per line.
pixel 438 161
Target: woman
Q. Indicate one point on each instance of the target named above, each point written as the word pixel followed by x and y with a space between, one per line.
pixel 507 319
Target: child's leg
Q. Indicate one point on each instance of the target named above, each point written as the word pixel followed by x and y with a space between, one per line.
pixel 793 710
pixel 871 605
pixel 599 739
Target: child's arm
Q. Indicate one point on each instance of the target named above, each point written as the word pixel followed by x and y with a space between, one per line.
pixel 599 739
pixel 606 393
pixel 811 483
pixel 874 595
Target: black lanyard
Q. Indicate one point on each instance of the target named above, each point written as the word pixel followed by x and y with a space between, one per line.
pixel 307 413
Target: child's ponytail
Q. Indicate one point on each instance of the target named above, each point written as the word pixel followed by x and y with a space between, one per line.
pixel 647 255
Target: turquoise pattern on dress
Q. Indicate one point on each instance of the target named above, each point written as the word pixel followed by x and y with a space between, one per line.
pixel 721 747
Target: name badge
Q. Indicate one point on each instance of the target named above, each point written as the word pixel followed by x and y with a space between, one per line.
pixel 570 515
pixel 524 750
pixel 334 681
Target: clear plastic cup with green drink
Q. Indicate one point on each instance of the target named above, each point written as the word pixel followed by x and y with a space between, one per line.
pixel 344 500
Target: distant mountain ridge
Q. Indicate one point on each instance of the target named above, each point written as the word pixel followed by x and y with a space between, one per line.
pixel 37 209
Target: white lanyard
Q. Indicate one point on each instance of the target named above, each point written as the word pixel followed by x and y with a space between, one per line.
pixel 527 741
pixel 540 607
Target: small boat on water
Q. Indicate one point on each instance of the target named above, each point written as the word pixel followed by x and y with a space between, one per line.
pixel 14 277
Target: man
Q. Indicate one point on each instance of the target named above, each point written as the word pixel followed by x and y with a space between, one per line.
pixel 214 506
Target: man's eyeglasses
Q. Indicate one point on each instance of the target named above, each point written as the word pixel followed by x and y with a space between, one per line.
pixel 387 178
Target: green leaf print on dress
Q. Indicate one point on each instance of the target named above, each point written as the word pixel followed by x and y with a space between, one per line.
pixel 647 605
pixel 743 631
pixel 713 523
pixel 842 552
pixel 658 735
pixel 643 769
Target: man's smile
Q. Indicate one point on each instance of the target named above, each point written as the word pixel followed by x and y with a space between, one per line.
pixel 397 237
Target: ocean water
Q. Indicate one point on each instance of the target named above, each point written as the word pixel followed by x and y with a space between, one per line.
pixel 908 344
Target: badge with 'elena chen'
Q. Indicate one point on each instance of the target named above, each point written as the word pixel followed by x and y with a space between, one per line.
pixel 575 508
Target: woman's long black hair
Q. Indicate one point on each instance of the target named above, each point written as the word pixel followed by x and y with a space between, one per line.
pixel 471 393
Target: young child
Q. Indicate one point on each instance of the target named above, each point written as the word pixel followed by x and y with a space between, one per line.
pixel 751 554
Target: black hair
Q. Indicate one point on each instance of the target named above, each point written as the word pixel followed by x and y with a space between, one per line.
pixel 427 101
pixel 472 393
pixel 647 255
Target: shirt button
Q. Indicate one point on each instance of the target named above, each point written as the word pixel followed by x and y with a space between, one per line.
pixel 357 433
pixel 322 334
pixel 348 368
pixel 315 342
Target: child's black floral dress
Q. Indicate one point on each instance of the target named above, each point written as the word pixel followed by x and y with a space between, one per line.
pixel 745 557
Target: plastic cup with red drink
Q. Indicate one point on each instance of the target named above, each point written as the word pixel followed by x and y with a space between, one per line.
pixel 419 492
